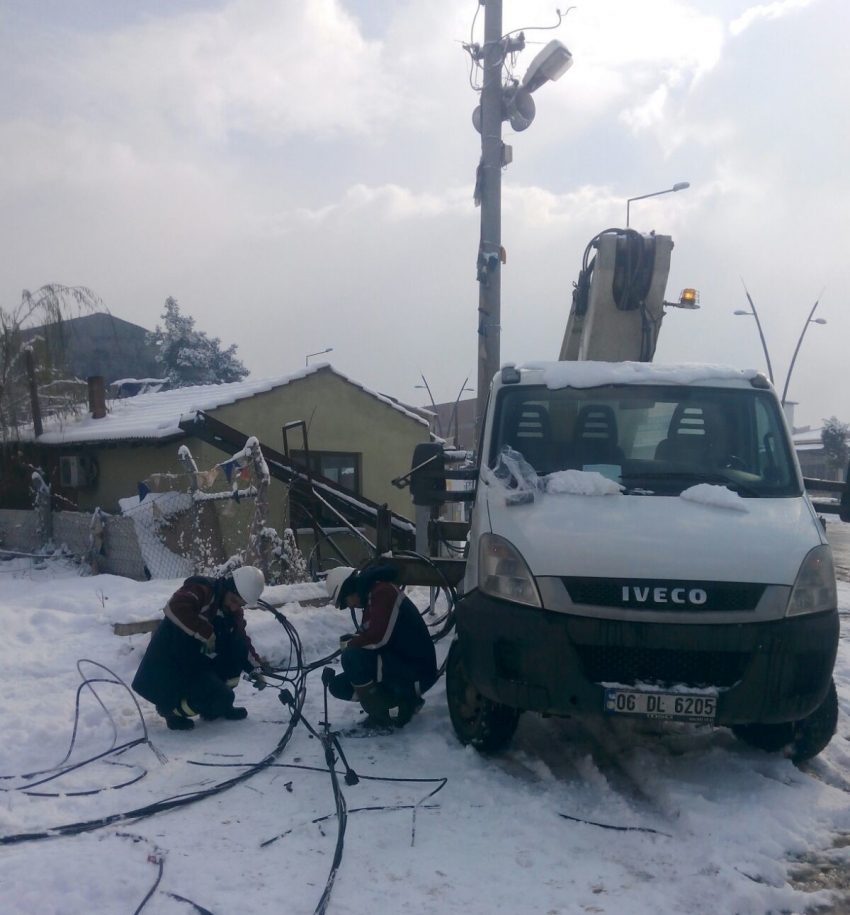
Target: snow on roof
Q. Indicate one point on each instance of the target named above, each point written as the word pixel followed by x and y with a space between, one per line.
pixel 593 374
pixel 120 381
pixel 157 415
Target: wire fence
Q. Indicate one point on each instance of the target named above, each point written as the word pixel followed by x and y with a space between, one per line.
pixel 196 522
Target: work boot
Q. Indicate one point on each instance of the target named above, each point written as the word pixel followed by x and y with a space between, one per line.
pixel 407 708
pixel 377 704
pixel 178 723
pixel 235 713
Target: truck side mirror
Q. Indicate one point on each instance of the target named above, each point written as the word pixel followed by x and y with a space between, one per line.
pixel 428 474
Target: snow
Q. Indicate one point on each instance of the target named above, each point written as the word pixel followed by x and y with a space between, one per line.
pixel 594 374
pixel 716 496
pixel 158 415
pixel 582 483
pixel 730 823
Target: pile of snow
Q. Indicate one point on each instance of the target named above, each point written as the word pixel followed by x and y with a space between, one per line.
pixel 715 496
pixel 582 483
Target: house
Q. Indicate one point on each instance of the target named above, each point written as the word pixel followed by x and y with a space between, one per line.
pixel 811 455
pixel 101 344
pixel 358 438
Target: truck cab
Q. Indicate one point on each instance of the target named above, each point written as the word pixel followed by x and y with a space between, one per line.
pixel 641 544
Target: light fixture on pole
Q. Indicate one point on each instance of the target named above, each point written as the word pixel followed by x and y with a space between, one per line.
pixel 679 186
pixel 330 349
pixel 755 314
pixel 810 320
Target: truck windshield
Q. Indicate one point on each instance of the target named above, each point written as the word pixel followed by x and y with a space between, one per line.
pixel 653 439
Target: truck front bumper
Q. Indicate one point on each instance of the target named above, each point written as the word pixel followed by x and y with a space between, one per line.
pixel 556 663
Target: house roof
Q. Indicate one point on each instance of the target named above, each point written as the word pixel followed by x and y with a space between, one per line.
pixel 157 415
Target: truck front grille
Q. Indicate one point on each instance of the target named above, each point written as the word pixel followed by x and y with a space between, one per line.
pixel 672 596
pixel 616 664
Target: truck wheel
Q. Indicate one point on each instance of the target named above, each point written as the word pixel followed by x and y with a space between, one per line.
pixel 807 737
pixel 487 725
pixel 812 734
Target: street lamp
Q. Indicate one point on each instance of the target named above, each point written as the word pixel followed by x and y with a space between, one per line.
pixel 755 314
pixel 455 416
pixel 330 349
pixel 426 387
pixel 679 186
pixel 810 320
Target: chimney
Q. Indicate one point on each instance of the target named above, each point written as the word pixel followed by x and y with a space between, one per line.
pixel 97 396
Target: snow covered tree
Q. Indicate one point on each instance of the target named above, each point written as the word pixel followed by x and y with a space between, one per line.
pixel 189 356
pixel 33 331
pixel 834 436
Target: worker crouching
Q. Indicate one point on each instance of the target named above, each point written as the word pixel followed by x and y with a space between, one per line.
pixel 199 650
pixel 390 662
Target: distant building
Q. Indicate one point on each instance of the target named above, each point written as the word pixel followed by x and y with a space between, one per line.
pixel 456 427
pixel 811 455
pixel 101 344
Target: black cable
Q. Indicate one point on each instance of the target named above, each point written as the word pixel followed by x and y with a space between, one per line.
pixel 180 800
pixel 655 832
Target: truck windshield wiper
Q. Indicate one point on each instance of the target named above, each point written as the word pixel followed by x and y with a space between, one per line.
pixel 697 477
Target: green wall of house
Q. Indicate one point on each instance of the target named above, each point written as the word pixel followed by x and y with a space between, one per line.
pixel 341 417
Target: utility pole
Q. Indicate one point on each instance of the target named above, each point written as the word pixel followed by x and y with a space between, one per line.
pixel 489 187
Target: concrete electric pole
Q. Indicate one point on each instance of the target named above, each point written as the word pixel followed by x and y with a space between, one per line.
pixel 511 102
pixel 489 192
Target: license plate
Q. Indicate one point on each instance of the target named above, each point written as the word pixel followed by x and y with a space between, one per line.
pixel 673 706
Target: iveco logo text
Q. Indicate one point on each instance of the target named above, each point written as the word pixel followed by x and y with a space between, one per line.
pixel 664 595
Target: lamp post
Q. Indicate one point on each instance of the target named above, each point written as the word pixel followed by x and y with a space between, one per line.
pixel 426 387
pixel 330 349
pixel 810 320
pixel 755 314
pixel 679 186
pixel 455 416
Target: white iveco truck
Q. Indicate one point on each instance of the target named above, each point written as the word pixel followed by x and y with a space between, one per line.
pixel 641 542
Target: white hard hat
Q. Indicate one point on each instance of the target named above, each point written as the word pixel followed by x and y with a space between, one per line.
pixel 249 584
pixel 336 578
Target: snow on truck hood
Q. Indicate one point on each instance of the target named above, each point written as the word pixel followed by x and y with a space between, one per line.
pixel 619 536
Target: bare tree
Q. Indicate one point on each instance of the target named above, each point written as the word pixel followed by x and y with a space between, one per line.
pixel 46 309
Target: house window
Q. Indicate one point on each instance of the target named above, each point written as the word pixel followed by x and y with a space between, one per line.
pixel 340 466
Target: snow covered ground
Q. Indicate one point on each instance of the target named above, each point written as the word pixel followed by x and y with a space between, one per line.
pixel 735 830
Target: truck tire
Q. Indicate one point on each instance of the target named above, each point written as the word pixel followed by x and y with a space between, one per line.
pixel 806 737
pixel 486 725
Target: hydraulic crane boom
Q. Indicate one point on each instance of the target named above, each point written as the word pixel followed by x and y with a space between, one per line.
pixel 618 300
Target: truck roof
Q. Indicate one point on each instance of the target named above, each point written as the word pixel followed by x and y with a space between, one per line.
pixel 595 374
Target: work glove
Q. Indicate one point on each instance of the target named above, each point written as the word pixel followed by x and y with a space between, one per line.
pixel 208 647
pixel 328 676
pixel 344 640
pixel 258 681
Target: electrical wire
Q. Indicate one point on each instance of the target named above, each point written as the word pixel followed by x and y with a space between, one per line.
pixel 182 800
pixel 61 769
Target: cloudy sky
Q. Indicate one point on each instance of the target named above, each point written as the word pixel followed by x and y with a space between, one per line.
pixel 298 174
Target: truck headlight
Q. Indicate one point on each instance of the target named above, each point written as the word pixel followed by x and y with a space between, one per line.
pixel 815 588
pixel 503 573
